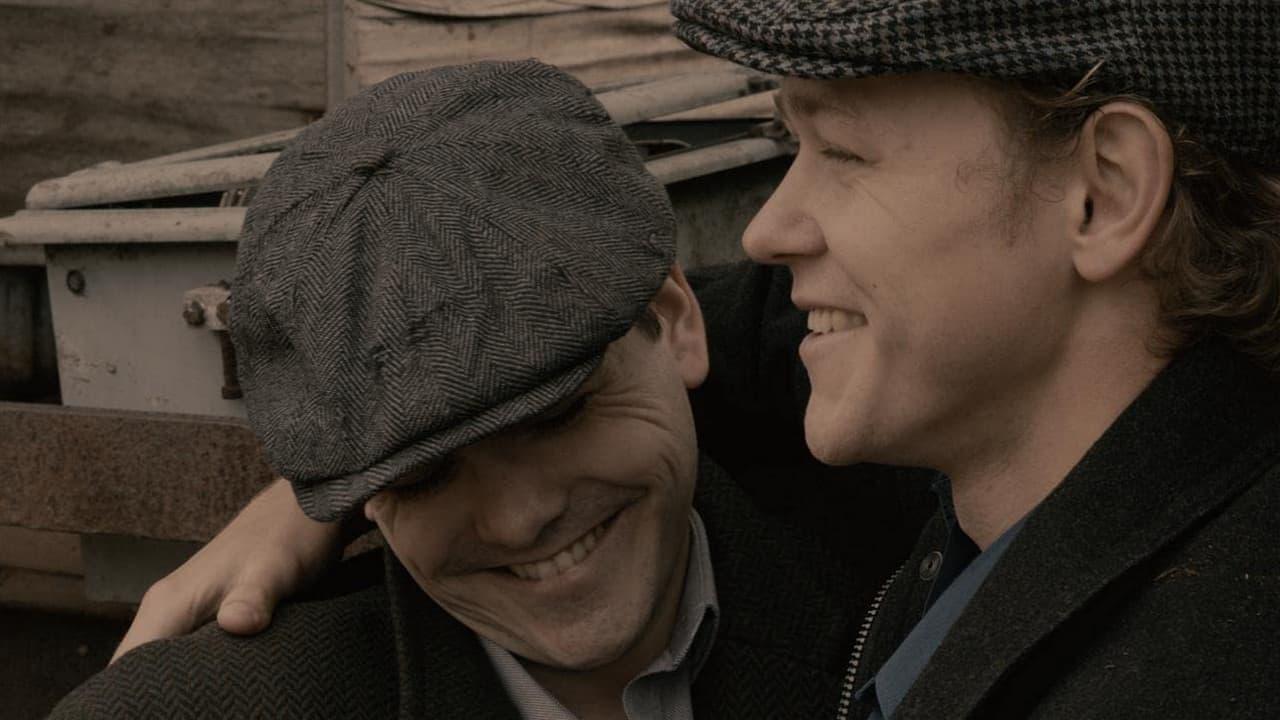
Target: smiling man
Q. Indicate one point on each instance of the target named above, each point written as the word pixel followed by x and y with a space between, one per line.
pixel 456 308
pixel 1039 248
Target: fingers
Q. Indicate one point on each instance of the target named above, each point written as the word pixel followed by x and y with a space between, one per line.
pixel 270 551
pixel 165 612
pixel 246 610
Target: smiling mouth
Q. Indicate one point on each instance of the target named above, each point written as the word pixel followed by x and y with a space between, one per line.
pixel 566 559
pixel 828 320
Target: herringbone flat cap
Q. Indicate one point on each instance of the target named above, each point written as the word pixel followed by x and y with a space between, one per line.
pixel 446 254
pixel 1211 64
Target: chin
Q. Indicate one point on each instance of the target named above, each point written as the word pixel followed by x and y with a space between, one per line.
pixel 829 439
pixel 588 648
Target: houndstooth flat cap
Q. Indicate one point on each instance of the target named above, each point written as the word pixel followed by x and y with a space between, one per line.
pixel 446 254
pixel 1212 65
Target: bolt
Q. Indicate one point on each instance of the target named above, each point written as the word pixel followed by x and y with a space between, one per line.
pixel 75 282
pixel 193 313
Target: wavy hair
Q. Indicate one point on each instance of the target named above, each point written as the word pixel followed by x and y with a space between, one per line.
pixel 1214 259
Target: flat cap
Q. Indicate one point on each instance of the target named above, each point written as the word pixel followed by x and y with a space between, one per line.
pixel 446 254
pixel 1214 66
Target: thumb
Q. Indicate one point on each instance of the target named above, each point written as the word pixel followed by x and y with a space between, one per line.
pixel 246 609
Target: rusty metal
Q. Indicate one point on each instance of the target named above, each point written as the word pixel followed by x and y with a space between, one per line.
pixel 230 375
pixel 193 313
pixel 210 306
pixel 211 302
pixel 164 476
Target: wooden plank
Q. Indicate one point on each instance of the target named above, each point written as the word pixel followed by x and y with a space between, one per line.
pixel 139 182
pixel 601 47
pixel 43 550
pixel 507 8
pixel 90 80
pixel 54 593
pixel 122 227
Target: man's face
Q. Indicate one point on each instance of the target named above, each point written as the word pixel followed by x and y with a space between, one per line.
pixel 938 287
pixel 564 538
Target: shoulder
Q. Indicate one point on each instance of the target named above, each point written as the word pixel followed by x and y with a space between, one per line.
pixel 1198 633
pixel 331 657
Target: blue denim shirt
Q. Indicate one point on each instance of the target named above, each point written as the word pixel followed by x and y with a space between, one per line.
pixel 962 572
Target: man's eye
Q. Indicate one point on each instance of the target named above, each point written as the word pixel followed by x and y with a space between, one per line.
pixel 841 155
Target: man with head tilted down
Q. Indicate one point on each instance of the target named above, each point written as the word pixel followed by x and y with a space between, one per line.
pixel 1038 248
pixel 456 307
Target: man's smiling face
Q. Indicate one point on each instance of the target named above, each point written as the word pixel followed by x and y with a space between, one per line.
pixel 564 539
pixel 938 288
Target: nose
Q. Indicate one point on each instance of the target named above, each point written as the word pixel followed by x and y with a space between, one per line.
pixel 784 229
pixel 515 501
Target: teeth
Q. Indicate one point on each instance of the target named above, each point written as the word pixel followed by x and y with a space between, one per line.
pixel 561 561
pixel 825 320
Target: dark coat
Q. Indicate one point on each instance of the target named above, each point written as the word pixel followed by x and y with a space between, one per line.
pixel 376 647
pixel 1147 585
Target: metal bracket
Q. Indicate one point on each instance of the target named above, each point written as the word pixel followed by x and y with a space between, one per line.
pixel 210 306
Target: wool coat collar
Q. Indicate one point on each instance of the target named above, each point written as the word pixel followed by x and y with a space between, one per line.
pixel 1204 431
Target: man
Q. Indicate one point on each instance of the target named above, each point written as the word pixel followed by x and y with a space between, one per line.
pixel 1067 298
pixel 456 307
pixel 1038 247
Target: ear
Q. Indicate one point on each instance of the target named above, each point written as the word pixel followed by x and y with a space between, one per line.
pixel 683 331
pixel 1124 161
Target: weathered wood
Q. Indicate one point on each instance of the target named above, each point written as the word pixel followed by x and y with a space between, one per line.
pixel 649 100
pixel 134 182
pixel 256 144
pixel 82 81
pixel 40 550
pixel 53 592
pixel 507 8
pixel 601 47
pixel 716 158
pixel 122 227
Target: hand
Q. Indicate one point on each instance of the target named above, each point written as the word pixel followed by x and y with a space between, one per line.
pixel 269 551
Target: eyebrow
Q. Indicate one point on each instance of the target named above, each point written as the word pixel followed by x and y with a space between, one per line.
pixel 791 105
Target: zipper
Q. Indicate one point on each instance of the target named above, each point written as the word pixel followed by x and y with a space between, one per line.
pixel 859 644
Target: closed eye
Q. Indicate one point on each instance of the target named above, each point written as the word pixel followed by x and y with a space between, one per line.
pixel 842 155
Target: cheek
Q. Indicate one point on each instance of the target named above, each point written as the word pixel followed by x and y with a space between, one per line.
pixel 419 533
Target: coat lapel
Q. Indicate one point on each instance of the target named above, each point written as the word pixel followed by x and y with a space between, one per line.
pixel 443 670
pixel 1203 432
pixel 787 610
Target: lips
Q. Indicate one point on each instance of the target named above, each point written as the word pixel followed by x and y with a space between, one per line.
pixel 827 320
pixel 564 560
